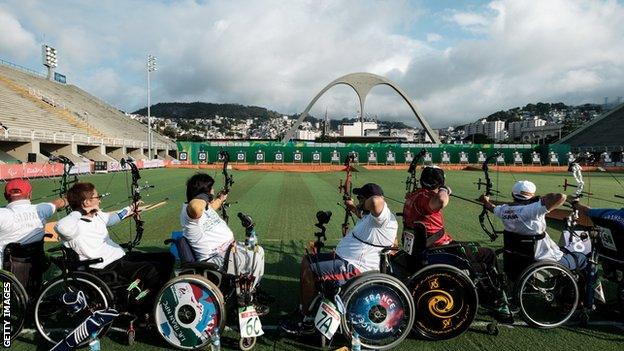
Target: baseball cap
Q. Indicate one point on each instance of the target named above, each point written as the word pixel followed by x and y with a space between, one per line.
pixel 368 190
pixel 523 190
pixel 17 187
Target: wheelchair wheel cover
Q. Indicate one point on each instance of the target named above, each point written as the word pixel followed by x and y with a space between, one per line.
pixel 187 309
pixel 379 308
pixel 54 321
pixel 17 301
pixel 547 294
pixel 445 300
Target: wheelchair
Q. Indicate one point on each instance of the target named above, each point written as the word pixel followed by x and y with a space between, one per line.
pixel 609 244
pixel 545 292
pixel 201 298
pixel 54 320
pixel 603 243
pixel 382 307
pixel 22 268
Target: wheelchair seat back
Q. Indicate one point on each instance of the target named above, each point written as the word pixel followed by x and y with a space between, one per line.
pixel 610 241
pixel 518 252
pixel 414 239
pixel 181 249
pixel 27 262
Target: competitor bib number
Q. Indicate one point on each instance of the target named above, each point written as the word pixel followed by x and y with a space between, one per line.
pixel 327 319
pixel 408 242
pixel 249 322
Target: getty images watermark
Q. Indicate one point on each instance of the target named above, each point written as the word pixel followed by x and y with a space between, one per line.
pixel 6 313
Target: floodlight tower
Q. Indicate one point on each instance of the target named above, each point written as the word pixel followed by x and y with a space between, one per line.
pixel 151 67
pixel 48 55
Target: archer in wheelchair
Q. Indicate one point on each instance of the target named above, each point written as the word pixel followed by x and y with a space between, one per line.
pixel 218 276
pixel 345 288
pixel 545 276
pixel 97 273
pixel 22 255
pixel 608 245
pixel 426 238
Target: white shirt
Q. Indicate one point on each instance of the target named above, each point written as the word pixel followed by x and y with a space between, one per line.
pixel 208 235
pixel 530 220
pixel 89 237
pixel 381 231
pixel 22 222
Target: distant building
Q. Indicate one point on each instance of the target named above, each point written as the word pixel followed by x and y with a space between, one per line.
pixel 516 128
pixel 539 134
pixel 355 128
pixel 306 134
pixel 494 130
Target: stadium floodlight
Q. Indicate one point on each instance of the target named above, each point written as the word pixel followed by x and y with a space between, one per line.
pixel 151 67
pixel 48 55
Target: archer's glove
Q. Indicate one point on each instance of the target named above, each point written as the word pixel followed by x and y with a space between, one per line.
pixel 445 188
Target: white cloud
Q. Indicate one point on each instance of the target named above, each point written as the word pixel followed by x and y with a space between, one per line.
pixel 433 37
pixel 15 41
pixel 280 54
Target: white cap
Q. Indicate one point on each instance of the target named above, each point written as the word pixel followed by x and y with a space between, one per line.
pixel 523 190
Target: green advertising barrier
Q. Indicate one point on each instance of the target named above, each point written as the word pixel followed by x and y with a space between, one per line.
pixel 308 152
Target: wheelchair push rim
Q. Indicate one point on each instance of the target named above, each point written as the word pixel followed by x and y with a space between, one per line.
pixel 380 309
pixel 547 295
pixel 445 300
pixel 187 310
pixel 18 303
pixel 54 320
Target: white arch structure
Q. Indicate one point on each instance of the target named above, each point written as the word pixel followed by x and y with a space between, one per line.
pixel 362 83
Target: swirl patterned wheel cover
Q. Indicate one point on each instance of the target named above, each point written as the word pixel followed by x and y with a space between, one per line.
pixel 446 303
pixel 186 313
pixel 377 313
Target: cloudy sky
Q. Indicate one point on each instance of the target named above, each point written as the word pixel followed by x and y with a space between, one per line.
pixel 457 60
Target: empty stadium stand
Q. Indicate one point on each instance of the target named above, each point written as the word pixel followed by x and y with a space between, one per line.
pixel 43 117
pixel 604 133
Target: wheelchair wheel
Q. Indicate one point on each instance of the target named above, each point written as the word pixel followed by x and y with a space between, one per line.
pixel 379 308
pixel 18 301
pixel 54 320
pixel 547 294
pixel 446 301
pixel 187 309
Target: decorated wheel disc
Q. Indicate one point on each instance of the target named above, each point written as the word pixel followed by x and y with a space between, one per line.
pixel 187 311
pixel 377 313
pixel 446 303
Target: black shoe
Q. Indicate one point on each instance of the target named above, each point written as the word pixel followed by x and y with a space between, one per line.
pixel 503 315
pixel 296 325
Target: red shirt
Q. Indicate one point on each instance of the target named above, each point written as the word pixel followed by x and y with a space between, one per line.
pixel 416 209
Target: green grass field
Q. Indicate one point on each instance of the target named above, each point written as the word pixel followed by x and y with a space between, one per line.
pixel 283 206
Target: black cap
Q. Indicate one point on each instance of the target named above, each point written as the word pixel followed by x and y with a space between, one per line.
pixel 431 177
pixel 368 190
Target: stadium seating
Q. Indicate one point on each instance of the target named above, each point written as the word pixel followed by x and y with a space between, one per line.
pixel 31 102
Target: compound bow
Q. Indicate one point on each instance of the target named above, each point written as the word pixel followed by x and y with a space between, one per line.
pixel 66 179
pixel 135 190
pixel 228 180
pixel 411 183
pixel 491 232
pixel 345 189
